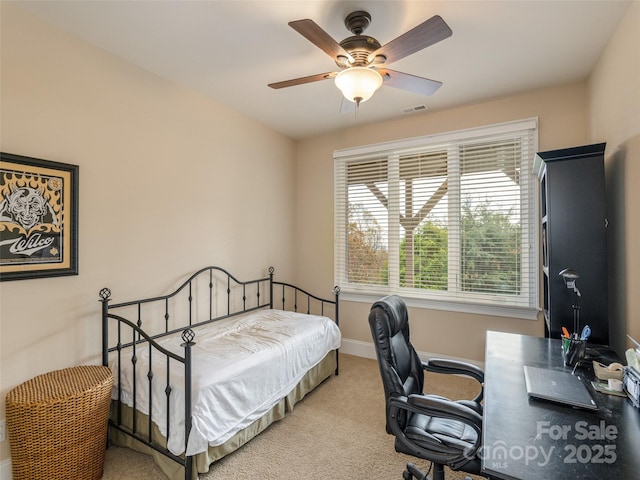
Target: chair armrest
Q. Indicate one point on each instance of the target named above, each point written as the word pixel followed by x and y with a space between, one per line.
pixel 455 367
pixel 441 365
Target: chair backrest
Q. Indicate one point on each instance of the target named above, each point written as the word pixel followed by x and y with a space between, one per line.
pixel 400 366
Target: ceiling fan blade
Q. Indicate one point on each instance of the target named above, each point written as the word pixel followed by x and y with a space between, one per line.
pixel 424 35
pixel 303 80
pixel 321 39
pixel 411 83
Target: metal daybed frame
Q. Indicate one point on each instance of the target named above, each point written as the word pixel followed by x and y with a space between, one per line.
pixel 241 297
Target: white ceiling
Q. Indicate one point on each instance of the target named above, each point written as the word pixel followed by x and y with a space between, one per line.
pixel 230 50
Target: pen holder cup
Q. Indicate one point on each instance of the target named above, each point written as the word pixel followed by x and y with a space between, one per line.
pixel 573 351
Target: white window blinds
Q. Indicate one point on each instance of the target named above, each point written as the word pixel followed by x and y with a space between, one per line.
pixel 447 217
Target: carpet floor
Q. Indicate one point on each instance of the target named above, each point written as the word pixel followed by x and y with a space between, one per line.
pixel 337 432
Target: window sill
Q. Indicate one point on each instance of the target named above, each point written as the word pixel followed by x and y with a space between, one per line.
pixel 510 311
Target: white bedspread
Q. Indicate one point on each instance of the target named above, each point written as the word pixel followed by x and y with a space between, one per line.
pixel 241 368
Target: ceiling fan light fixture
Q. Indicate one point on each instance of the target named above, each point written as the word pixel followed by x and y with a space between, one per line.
pixel 358 84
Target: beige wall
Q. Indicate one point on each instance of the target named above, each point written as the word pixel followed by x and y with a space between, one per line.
pixel 614 93
pixel 563 122
pixel 168 183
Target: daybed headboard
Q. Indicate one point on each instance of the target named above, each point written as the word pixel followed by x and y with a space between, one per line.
pixel 210 294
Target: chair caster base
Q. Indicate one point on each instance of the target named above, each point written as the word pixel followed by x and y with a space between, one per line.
pixel 412 472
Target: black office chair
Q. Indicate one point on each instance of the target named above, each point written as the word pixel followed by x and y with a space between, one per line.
pixel 430 427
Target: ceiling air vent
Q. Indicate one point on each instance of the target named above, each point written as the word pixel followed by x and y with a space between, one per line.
pixel 417 108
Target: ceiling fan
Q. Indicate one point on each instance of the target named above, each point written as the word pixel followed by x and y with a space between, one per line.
pixel 362 60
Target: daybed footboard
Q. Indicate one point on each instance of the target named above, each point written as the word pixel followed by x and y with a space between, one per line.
pixel 131 339
pixel 140 342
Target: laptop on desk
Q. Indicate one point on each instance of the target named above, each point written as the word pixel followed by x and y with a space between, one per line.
pixel 559 387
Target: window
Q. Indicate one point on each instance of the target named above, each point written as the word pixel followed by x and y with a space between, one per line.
pixel 445 220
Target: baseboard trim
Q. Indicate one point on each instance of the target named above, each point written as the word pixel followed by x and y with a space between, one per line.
pixel 367 350
pixel 5 470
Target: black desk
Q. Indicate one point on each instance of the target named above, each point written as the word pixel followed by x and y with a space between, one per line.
pixel 532 439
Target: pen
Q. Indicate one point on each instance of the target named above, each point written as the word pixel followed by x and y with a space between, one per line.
pixel 586 333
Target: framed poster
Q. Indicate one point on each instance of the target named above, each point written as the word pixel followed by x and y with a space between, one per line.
pixel 38 218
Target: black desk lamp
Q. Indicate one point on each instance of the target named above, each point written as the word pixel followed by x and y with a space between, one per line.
pixel 570 277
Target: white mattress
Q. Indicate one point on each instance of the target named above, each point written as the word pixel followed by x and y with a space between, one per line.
pixel 241 368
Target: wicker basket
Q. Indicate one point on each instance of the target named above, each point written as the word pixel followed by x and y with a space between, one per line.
pixel 57 424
